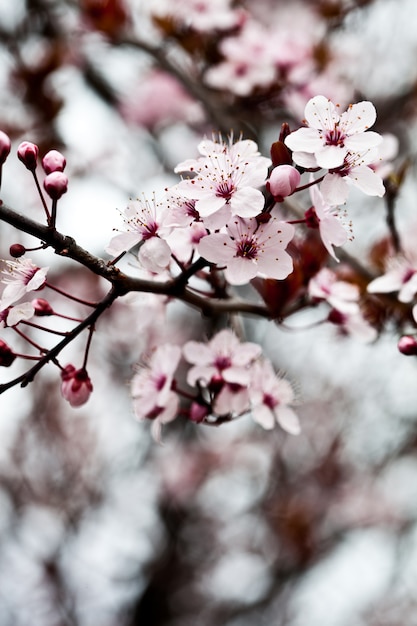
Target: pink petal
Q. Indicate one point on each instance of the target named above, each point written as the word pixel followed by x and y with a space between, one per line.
pixel 288 420
pixel 358 118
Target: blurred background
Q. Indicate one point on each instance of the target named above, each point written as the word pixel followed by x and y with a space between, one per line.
pixel 233 526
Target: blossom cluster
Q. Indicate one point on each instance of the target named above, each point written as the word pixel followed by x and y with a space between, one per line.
pixel 227 378
pixel 226 222
pixel 219 211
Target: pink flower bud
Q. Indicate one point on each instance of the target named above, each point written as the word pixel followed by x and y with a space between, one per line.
pixel 198 412
pixel 28 153
pixel 407 345
pixel 56 184
pixel 53 161
pixel 283 181
pixel 5 146
pixel 76 386
pixel 42 307
pixel 17 250
pixel 7 356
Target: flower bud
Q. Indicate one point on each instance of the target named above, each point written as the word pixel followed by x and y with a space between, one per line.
pixel 7 356
pixel 5 146
pixel 28 153
pixel 198 412
pixel 283 181
pixel 17 250
pixel 76 386
pixel 53 161
pixel 42 307
pixel 55 184
pixel 407 345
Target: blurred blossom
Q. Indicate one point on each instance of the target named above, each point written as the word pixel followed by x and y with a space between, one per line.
pixel 159 100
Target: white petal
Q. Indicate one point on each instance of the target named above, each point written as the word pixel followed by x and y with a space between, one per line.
pixel 321 113
pixel 334 189
pixel 367 181
pixel 155 254
pixel 123 242
pixel 358 117
pixel 263 416
pixel 288 420
pixel 330 157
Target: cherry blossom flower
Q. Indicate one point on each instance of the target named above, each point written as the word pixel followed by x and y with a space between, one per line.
pixel 401 276
pixel 21 277
pixel 76 386
pixel 160 100
pixel 227 177
pixel 249 249
pixel 330 136
pixel 331 229
pixel 201 15
pixel 248 61
pixel 223 359
pixel 22 311
pixel 283 181
pixel 151 388
pixel 224 366
pixel 340 294
pixel 145 223
pixel 357 170
pixel 270 397
pixel 354 324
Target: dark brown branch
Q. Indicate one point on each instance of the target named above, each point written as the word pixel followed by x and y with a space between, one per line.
pixel 67 247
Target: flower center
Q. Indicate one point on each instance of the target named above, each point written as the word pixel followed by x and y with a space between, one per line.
pixel 269 401
pixel 335 137
pixel 225 189
pixel 247 248
pixel 222 362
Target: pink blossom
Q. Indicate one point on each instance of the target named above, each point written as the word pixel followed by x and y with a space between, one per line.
pixel 330 136
pixel 331 229
pixel 158 100
pixel 356 170
pixel 20 277
pixel 270 397
pixel 22 311
pixel 144 221
pixel 340 294
pixel 249 249
pixel 283 181
pixel 76 386
pixel 201 15
pixel 248 61
pixel 151 388
pixel 401 277
pixel 354 324
pixel 227 176
pixel 223 359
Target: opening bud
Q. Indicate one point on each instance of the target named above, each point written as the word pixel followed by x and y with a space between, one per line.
pixel 407 345
pixel 283 181
pixel 5 146
pixel 7 356
pixel 198 412
pixel 42 307
pixel 76 386
pixel 17 250
pixel 53 161
pixel 55 184
pixel 28 153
